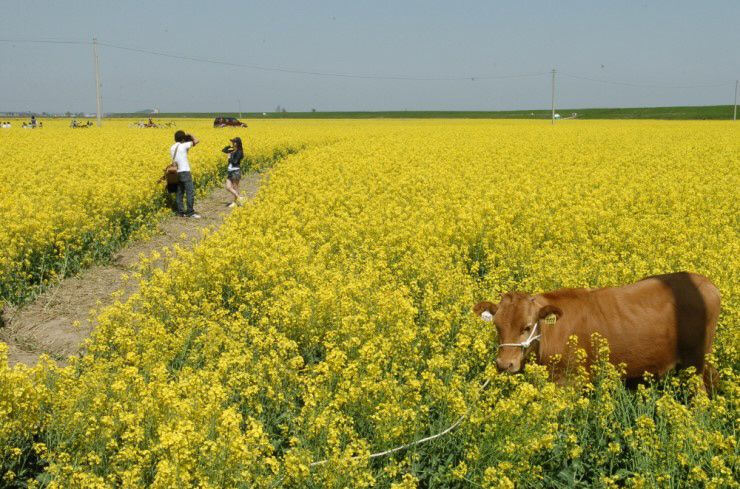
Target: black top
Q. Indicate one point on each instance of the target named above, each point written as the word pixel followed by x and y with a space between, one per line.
pixel 235 156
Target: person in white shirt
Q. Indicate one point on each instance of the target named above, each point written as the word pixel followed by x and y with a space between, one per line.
pixel 179 153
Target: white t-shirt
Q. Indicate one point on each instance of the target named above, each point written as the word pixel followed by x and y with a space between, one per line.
pixel 181 158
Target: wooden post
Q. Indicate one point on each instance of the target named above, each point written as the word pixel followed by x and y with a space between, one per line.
pixel 98 105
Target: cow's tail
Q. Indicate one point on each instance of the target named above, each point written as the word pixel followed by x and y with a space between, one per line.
pixel 711 378
pixel 713 299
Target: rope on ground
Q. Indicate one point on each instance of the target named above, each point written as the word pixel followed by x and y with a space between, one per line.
pixel 397 449
pixel 408 445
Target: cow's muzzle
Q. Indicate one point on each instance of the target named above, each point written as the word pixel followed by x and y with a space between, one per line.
pixel 507 365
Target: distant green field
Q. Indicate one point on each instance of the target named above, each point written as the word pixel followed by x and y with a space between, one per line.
pixel 712 112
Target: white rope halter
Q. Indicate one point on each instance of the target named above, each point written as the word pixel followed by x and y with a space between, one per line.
pixel 487 316
pixel 525 344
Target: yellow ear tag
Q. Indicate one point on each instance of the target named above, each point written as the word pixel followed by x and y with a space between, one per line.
pixel 551 319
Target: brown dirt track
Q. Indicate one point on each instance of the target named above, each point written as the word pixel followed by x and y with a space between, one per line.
pixel 60 319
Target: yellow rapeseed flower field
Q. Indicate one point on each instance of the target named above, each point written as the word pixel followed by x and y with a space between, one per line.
pixel 330 319
pixel 70 197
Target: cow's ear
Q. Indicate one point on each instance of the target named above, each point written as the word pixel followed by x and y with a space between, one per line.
pixel 550 310
pixel 485 310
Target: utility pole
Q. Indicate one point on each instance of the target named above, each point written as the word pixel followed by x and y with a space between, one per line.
pixel 553 97
pixel 734 114
pixel 98 105
pixel 240 108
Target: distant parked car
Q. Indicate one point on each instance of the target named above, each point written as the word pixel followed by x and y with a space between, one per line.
pixel 228 122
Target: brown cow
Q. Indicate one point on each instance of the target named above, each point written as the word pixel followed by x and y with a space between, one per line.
pixel 654 325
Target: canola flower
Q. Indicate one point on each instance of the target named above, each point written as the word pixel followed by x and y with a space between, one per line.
pixel 331 319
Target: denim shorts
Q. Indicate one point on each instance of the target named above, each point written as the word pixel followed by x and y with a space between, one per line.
pixel 235 175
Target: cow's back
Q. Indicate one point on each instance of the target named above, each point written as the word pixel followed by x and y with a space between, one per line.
pixel 697 308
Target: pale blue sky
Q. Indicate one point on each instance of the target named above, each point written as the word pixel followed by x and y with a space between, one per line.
pixel 413 54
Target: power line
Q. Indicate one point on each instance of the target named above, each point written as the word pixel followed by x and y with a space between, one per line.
pixel 282 70
pixel 317 73
pixel 42 41
pixel 644 85
pixel 360 76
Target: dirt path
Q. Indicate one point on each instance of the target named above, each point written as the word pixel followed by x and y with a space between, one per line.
pixel 59 320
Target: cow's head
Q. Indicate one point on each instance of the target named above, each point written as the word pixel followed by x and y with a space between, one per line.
pixel 515 317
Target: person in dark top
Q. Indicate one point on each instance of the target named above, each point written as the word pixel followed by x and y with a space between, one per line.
pixel 234 170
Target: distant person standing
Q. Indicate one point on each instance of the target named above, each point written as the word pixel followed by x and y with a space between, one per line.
pixel 179 153
pixel 33 122
pixel 236 153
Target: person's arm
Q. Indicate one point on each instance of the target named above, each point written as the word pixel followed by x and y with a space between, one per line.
pixel 195 140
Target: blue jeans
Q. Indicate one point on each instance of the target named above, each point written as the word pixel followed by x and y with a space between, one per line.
pixel 185 185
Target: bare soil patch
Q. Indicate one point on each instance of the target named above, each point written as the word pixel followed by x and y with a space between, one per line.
pixel 60 319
